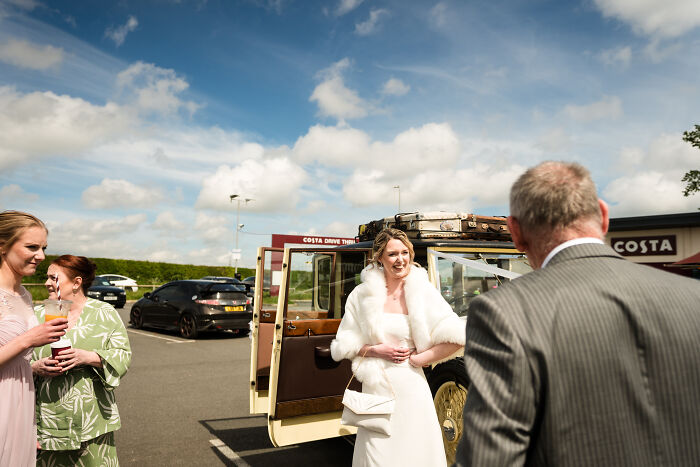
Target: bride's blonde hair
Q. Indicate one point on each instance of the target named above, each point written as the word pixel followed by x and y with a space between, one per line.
pixel 381 240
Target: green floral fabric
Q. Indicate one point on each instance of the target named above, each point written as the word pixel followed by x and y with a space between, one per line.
pixel 80 405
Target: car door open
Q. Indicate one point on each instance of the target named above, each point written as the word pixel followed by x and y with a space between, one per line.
pixel 305 384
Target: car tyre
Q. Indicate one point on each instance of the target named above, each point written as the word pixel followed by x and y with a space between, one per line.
pixel 136 318
pixel 448 384
pixel 188 326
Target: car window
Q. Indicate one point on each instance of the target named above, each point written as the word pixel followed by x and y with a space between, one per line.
pixel 172 292
pixel 100 281
pixel 225 287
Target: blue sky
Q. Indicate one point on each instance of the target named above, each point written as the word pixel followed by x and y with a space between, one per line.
pixel 126 125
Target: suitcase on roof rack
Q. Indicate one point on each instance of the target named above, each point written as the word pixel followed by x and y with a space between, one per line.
pixel 416 225
pixel 486 227
pixel 437 225
pixel 370 230
pixel 427 224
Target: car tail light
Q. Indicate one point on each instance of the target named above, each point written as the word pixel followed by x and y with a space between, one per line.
pixel 248 301
pixel 210 301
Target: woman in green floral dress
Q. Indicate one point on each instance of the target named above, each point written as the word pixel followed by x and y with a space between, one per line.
pixel 76 409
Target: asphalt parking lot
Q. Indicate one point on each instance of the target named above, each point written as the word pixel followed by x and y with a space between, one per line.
pixel 185 402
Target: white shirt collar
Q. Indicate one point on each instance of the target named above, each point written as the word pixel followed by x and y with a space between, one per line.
pixel 567 244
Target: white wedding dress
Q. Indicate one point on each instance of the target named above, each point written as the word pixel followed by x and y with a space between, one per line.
pixel 415 438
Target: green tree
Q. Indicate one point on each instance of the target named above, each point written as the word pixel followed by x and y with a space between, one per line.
pixel 692 177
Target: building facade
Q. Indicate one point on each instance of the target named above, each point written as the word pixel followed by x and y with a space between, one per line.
pixel 659 241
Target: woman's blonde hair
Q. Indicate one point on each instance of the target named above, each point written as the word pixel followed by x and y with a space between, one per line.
pixel 381 240
pixel 13 224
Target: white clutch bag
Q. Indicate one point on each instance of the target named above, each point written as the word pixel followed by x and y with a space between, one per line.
pixel 369 411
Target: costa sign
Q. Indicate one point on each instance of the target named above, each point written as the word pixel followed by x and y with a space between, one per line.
pixel 659 245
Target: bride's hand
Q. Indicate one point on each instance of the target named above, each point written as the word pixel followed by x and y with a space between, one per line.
pixel 391 353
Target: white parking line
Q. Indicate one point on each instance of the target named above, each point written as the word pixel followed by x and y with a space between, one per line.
pixel 171 341
pixel 229 453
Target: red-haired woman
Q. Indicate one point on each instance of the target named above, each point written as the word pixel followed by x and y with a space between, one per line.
pixel 22 243
pixel 76 408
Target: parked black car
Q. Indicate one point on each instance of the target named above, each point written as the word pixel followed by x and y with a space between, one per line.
pixel 102 289
pixel 191 306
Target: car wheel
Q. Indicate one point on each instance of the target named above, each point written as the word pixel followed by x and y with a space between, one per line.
pixel 448 384
pixel 188 326
pixel 136 318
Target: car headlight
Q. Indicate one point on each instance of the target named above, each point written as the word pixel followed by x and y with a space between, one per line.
pixel 93 294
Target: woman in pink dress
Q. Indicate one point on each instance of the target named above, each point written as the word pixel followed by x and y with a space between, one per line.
pixel 22 244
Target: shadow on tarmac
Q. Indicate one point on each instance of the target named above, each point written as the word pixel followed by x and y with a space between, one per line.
pixel 248 438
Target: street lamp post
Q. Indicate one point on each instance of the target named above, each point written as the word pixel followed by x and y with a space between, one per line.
pixel 238 224
pixel 398 187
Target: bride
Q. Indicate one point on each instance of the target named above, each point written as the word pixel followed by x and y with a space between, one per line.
pixel 400 323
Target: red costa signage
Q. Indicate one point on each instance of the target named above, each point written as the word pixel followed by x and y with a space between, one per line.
pixel 279 240
pixel 659 245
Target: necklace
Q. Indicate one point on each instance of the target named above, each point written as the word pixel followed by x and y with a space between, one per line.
pixel 395 295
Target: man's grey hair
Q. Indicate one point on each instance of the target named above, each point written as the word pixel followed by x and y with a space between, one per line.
pixel 554 195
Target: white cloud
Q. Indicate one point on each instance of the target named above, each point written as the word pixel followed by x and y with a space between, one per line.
pixel 339 229
pixel 647 193
pixel 651 183
pixel 23 54
pixel 208 256
pixel 6 6
pixel 555 140
pixel 657 52
pixel 395 87
pixel 438 14
pixel 155 89
pixel 369 26
pixel 346 6
pixel 165 256
pixel 120 194
pixel 118 34
pixel 406 153
pixel 434 189
pixel 94 237
pixel 667 152
pixel 274 184
pixel 619 57
pixel 213 229
pixel 40 124
pixel 665 19
pixel 12 194
pixel 334 99
pixel 334 146
pixel 606 108
pixel 167 221
pixel 314 206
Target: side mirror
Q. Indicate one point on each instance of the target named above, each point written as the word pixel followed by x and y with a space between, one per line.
pixel 147 295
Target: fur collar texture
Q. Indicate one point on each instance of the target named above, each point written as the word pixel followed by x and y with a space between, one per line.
pixel 431 319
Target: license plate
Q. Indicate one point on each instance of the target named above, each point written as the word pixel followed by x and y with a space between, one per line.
pixel 110 298
pixel 235 308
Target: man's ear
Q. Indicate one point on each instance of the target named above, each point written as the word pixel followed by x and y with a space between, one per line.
pixel 604 216
pixel 517 234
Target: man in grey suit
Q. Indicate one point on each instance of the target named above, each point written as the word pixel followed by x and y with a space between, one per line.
pixel 590 360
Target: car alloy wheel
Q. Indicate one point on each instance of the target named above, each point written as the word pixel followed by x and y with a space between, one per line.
pixel 188 326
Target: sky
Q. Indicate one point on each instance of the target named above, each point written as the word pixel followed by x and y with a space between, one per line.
pixel 127 125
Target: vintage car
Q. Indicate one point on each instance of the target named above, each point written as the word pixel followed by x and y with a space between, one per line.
pixel 293 378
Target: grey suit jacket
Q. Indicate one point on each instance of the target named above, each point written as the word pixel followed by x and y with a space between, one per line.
pixel 591 361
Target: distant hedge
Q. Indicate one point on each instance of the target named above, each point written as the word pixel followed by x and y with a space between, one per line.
pixel 146 272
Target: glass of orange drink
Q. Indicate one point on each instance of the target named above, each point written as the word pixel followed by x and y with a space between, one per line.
pixel 56 309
